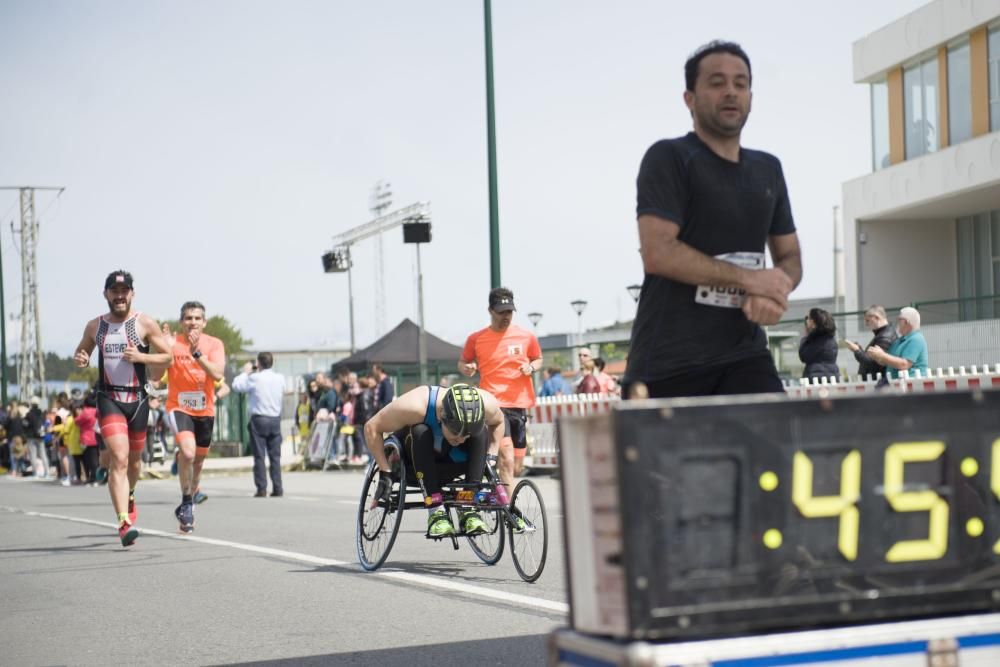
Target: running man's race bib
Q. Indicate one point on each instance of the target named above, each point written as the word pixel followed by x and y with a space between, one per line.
pixel 729 297
pixel 192 400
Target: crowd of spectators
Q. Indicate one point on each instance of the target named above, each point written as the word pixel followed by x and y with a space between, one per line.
pixel 59 443
pixel 590 379
pixel 348 401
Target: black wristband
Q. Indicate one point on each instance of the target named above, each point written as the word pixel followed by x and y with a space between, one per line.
pixel 196 354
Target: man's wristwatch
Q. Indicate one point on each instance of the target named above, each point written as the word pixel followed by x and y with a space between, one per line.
pixel 196 354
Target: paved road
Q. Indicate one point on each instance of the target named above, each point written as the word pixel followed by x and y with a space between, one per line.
pixel 261 581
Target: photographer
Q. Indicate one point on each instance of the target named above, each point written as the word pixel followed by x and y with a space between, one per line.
pixel 265 389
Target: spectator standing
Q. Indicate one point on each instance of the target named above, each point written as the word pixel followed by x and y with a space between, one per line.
pixel 86 420
pixel 384 391
pixel 885 335
pixel 908 352
pixel 606 384
pixel 818 348
pixel 506 357
pixel 556 384
pixel 587 382
pixel 706 208
pixel 265 389
pixel 34 434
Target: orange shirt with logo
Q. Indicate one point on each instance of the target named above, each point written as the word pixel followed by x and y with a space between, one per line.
pixel 189 387
pixel 500 356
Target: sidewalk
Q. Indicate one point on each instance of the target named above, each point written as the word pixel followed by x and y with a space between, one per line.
pixel 226 465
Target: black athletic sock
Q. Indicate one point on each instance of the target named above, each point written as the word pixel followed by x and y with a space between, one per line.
pixel 185 499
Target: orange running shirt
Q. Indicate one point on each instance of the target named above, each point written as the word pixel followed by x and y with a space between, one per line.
pixel 500 356
pixel 189 388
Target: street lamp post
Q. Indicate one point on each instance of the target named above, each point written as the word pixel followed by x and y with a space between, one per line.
pixel 578 306
pixel 418 230
pixel 534 318
pixel 634 291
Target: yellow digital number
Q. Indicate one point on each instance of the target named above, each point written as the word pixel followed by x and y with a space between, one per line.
pixel 995 479
pixel 896 457
pixel 843 506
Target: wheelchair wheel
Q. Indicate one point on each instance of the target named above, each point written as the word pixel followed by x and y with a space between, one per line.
pixel 528 545
pixel 378 521
pixel 489 545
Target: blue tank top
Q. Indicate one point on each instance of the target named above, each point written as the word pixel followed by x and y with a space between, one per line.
pixel 431 421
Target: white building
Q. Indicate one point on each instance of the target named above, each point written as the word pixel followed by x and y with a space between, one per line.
pixel 924 226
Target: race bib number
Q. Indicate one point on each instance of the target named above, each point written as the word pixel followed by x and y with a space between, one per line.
pixel 729 297
pixel 192 400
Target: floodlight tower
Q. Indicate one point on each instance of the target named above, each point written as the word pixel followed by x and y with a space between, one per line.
pixel 379 203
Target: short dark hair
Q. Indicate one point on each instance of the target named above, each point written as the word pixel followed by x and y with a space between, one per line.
pixel 823 320
pixel 599 363
pixel 265 359
pixel 715 46
pixel 189 305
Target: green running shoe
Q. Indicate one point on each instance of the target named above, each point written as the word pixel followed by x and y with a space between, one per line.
pixel 439 525
pixel 472 524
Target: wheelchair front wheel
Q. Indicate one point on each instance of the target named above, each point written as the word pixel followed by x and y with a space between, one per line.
pixel 378 520
pixel 528 528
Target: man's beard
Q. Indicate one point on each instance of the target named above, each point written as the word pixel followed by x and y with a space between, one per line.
pixel 711 121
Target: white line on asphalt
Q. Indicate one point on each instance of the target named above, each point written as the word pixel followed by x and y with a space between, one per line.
pixel 513 598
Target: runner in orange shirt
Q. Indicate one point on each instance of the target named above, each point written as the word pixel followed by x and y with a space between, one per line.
pixel 506 357
pixel 199 361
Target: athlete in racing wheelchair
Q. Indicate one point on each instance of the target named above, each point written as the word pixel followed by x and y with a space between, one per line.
pixel 445 432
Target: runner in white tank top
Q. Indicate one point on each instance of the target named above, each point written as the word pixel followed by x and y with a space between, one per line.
pixel 124 339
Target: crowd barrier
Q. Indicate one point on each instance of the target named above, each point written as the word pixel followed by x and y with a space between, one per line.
pixel 543 452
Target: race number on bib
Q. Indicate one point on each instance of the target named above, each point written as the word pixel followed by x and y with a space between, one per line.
pixel 729 297
pixel 192 400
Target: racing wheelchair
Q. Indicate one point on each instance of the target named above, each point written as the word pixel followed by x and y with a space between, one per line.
pixel 523 523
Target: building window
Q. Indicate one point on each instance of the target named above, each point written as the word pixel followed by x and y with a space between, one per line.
pixel 920 83
pixel 994 56
pixel 880 125
pixel 979 265
pixel 959 94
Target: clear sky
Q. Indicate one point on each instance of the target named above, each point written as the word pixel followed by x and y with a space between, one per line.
pixel 214 149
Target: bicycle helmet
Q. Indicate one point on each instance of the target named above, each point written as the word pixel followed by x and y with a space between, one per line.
pixel 462 410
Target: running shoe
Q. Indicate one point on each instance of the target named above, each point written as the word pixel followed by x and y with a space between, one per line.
pixel 472 524
pixel 185 517
pixel 439 525
pixel 173 467
pixel 520 525
pixel 132 512
pixel 199 497
pixel 102 476
pixel 127 532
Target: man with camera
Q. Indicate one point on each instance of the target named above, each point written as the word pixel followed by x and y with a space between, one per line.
pixel 265 389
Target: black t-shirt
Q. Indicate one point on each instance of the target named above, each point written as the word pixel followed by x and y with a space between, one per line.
pixel 722 208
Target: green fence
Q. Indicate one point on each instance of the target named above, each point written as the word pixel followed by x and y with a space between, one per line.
pixel 231 421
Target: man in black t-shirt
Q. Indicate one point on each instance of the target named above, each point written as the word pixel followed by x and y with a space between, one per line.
pixel 706 210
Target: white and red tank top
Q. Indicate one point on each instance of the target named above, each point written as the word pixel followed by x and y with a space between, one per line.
pixel 120 380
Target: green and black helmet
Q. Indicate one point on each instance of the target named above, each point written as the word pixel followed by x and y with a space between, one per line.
pixel 462 410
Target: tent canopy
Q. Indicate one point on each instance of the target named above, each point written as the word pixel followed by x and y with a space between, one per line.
pixel 400 347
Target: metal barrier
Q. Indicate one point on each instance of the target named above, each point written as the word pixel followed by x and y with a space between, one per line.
pixel 543 450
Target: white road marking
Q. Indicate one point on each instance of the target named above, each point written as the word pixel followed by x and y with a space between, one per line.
pixel 431 582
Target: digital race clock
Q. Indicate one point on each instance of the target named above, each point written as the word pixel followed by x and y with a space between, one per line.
pixel 749 514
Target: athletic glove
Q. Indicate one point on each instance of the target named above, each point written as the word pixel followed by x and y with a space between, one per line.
pixel 384 488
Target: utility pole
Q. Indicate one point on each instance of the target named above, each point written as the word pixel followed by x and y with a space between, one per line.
pixel 31 362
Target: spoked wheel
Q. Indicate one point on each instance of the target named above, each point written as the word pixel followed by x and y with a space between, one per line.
pixel 489 545
pixel 529 543
pixel 378 520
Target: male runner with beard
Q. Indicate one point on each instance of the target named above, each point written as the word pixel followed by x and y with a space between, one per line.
pixel 123 338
